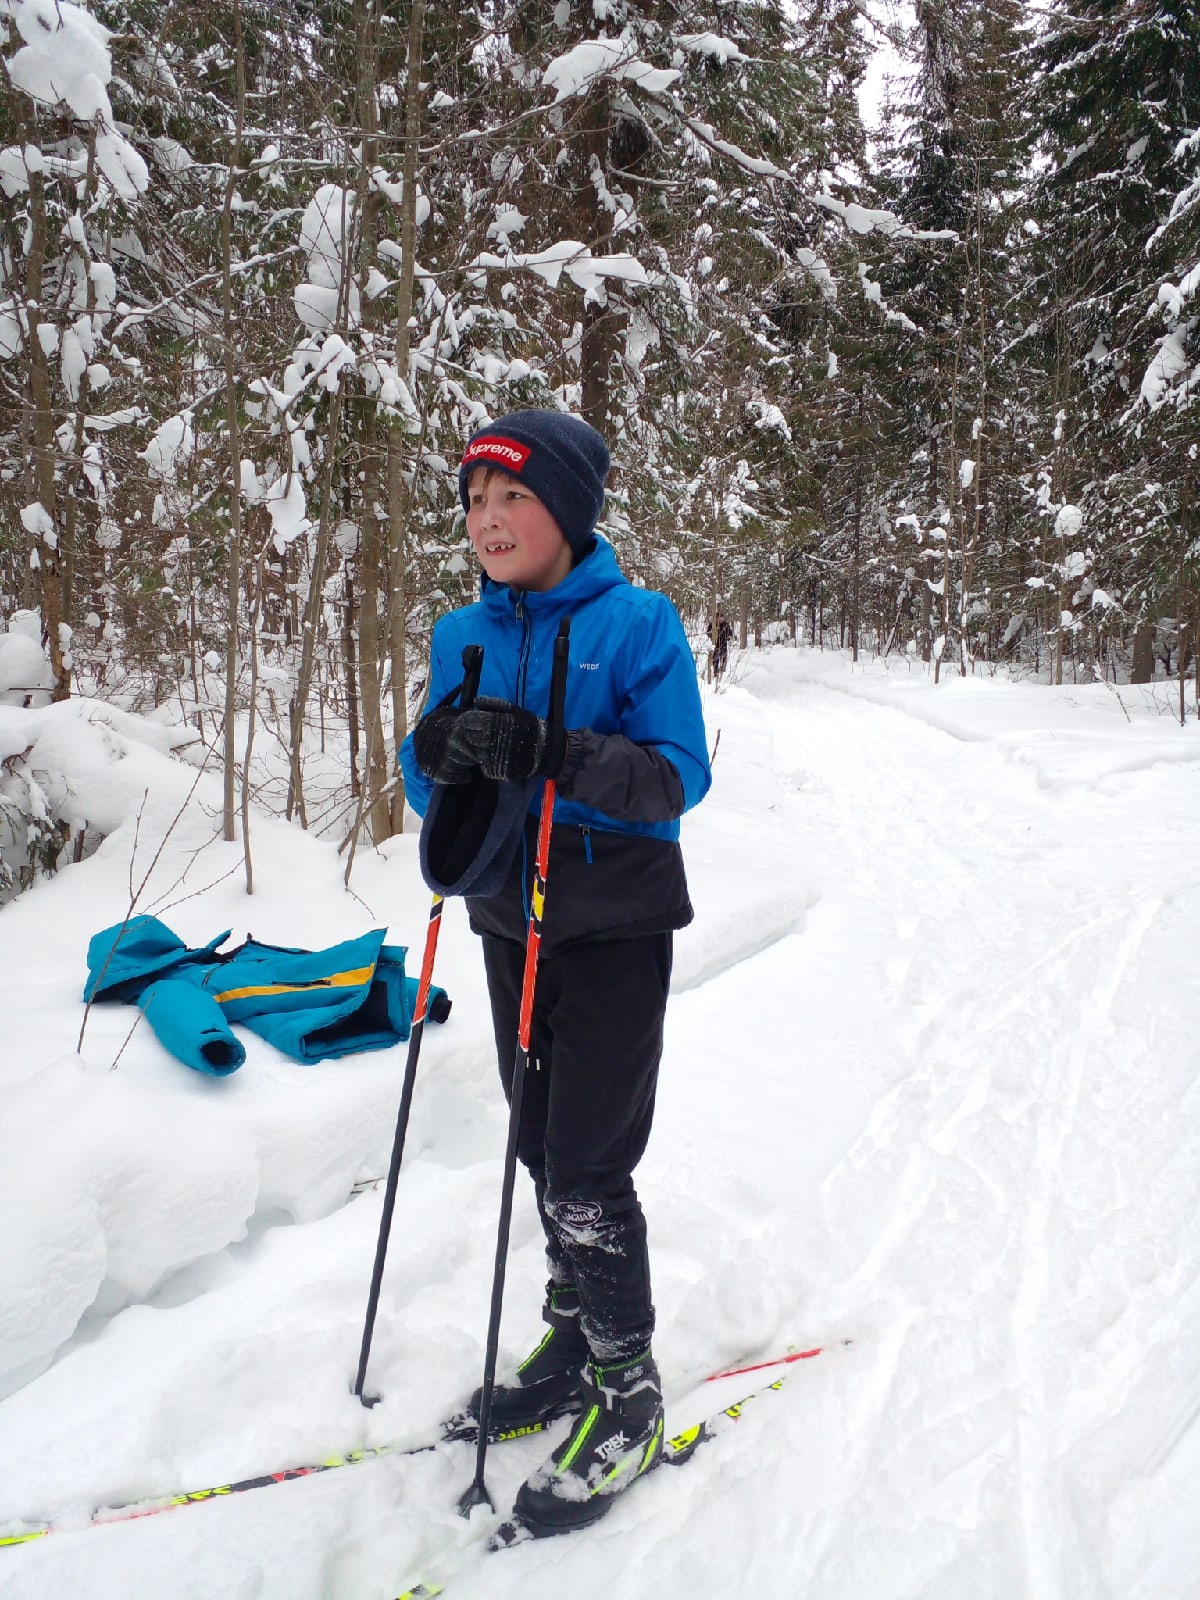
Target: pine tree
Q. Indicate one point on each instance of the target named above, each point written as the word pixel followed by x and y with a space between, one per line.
pixel 957 166
pixel 1119 96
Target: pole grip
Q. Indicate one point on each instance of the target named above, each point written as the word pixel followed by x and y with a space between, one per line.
pixel 472 663
pixel 558 673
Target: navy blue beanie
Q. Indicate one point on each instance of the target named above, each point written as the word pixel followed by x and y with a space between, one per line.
pixel 560 457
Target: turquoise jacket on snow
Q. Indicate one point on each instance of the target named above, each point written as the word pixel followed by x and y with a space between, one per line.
pixel 310 1004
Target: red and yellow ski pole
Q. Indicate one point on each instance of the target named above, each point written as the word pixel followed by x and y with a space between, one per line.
pixel 476 1493
pixel 472 661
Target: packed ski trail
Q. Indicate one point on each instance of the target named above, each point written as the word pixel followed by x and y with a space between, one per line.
pixel 931 1083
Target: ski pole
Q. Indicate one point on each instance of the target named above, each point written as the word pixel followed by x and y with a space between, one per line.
pixel 472 660
pixel 476 1493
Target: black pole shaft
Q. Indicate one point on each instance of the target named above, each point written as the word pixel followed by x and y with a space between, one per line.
pixel 389 1198
pixel 477 1493
pixel 472 661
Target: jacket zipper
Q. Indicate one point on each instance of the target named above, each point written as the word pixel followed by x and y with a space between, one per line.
pixel 587 844
pixel 523 653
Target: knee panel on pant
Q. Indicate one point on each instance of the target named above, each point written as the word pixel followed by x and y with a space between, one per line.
pixel 580 1222
pixel 605 1245
pixel 585 1221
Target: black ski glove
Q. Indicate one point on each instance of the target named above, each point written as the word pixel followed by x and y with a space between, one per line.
pixel 507 742
pixel 432 748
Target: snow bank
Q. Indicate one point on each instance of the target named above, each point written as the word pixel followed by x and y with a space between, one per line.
pixel 25 676
pixel 929 1064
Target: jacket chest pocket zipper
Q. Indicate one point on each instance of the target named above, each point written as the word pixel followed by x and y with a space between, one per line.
pixel 587 845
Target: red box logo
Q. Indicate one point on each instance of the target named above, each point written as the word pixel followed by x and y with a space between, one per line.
pixel 506 453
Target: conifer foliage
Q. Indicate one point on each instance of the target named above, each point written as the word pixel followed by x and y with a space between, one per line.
pixel 926 387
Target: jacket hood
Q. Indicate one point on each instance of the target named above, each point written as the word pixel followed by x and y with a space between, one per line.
pixel 131 953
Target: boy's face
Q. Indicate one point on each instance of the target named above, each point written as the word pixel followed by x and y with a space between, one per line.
pixel 515 537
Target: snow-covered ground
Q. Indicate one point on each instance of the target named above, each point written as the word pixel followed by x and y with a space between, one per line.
pixel 932 1083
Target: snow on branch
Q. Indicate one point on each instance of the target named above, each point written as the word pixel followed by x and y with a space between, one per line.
pixel 581 66
pixel 874 293
pixel 327 239
pixel 708 136
pixel 16 163
pixel 65 61
pixel 1188 198
pixel 710 44
pixel 573 258
pixel 861 219
pixel 818 270
pixel 575 71
pixel 1173 375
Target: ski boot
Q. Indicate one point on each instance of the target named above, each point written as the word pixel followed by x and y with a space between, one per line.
pixel 617 1438
pixel 549 1381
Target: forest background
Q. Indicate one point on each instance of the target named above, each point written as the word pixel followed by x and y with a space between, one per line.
pixel 922 389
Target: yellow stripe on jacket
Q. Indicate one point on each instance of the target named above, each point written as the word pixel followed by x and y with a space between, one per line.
pixel 335 980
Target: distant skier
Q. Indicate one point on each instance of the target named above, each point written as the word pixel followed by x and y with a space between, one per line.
pixel 720 633
pixel 632 760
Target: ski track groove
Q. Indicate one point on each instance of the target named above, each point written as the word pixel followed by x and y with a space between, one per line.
pixel 947 1062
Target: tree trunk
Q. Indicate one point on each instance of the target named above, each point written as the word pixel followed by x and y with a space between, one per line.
pixel 312 612
pixel 352 679
pixel 597 316
pixel 954 514
pixel 971 540
pixel 855 585
pixel 371 632
pixel 399 499
pixel 233 568
pixel 1142 670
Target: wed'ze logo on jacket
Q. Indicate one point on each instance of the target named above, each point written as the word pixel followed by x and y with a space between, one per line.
pixel 505 453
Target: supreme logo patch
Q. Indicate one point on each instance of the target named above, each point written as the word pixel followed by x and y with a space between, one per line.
pixel 505 453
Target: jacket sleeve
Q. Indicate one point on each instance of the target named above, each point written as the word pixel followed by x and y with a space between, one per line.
pixel 627 781
pixel 191 1025
pixel 656 767
pixel 417 787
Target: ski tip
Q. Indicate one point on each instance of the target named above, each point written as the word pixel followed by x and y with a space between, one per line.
pixel 423 1591
pixel 680 1447
pixel 793 1354
pixel 514 1531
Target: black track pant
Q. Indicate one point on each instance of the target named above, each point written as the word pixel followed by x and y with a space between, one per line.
pixel 585 1116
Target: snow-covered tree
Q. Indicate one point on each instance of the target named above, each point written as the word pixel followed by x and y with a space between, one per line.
pixel 70 178
pixel 1119 99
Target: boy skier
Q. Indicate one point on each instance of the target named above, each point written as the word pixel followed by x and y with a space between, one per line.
pixel 631 759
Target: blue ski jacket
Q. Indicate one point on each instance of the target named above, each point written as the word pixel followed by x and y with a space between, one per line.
pixel 310 1004
pixel 637 754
